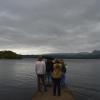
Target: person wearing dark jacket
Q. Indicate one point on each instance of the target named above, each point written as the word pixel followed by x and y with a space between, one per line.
pixel 63 72
pixel 49 66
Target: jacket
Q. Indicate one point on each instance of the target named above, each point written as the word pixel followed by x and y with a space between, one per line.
pixel 40 67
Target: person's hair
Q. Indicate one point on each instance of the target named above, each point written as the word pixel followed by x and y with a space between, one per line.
pixel 61 61
pixel 56 61
pixel 40 58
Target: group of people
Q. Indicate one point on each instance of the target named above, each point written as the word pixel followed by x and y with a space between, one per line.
pixel 50 73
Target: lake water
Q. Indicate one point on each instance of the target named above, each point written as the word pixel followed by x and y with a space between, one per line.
pixel 18 79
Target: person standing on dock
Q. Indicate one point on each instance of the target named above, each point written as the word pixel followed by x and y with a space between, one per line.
pixel 56 76
pixel 49 66
pixel 40 69
pixel 63 73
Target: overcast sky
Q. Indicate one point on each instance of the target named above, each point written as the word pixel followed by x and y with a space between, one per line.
pixel 49 26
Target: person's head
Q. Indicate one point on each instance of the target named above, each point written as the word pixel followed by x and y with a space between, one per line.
pixel 49 60
pixel 53 61
pixel 56 61
pixel 61 61
pixel 40 58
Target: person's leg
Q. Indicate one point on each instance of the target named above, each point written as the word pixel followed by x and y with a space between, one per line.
pixel 43 81
pixel 49 79
pixel 66 81
pixel 63 81
pixel 54 87
pixel 59 87
pixel 39 83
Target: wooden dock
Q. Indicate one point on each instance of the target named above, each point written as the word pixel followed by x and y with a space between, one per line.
pixel 66 94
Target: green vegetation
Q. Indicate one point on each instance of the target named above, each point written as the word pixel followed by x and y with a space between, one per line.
pixel 9 55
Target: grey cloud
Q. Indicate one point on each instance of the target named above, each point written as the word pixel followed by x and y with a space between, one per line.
pixel 49 25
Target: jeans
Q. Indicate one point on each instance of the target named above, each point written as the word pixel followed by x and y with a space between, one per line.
pixel 41 82
pixel 49 80
pixel 63 80
pixel 56 87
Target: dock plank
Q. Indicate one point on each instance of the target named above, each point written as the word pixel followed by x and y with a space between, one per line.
pixel 66 94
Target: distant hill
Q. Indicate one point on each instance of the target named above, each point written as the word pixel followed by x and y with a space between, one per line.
pixel 30 56
pixel 9 55
pixel 82 55
pixel 96 52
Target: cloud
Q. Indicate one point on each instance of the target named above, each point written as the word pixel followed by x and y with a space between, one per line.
pixel 9 16
pixel 43 26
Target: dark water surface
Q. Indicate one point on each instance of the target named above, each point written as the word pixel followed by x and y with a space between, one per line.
pixel 84 78
pixel 18 79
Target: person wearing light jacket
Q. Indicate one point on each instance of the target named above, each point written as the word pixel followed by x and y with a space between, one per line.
pixel 40 69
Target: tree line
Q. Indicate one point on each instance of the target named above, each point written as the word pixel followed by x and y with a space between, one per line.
pixel 9 55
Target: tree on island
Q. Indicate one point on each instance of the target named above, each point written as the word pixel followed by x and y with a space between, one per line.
pixel 9 55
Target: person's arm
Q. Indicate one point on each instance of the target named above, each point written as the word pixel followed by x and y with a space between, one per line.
pixel 44 67
pixel 66 67
pixel 36 68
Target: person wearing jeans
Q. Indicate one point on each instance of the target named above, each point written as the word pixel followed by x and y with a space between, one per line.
pixel 49 65
pixel 56 87
pixel 56 76
pixel 63 73
pixel 40 69
pixel 41 79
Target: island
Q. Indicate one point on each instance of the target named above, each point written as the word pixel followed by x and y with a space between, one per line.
pixel 9 55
